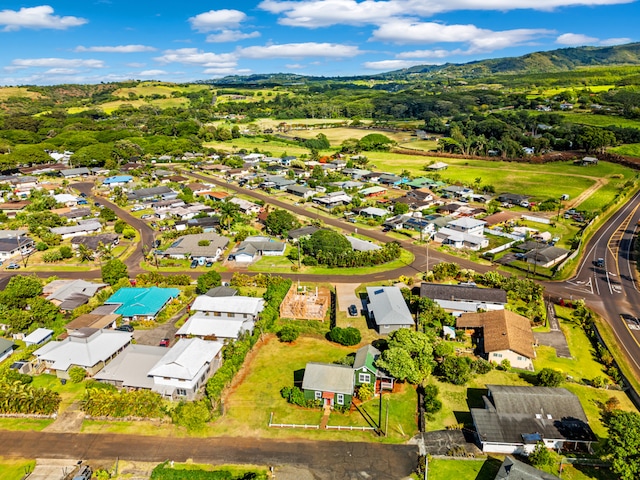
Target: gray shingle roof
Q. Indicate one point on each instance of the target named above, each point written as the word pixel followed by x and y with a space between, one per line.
pixel 437 291
pixel 518 415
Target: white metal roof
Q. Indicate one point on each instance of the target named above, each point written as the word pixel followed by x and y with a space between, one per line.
pixel 186 358
pixel 235 304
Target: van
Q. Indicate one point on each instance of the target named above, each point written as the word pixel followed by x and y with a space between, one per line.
pixel 84 473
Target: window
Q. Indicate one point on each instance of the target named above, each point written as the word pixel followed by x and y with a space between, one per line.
pixel 216 314
pixel 364 378
pixel 181 391
pixel 497 355
pixel 519 357
pixel 318 395
pixel 340 399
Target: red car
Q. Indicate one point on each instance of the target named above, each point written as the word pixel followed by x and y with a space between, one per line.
pixel 164 342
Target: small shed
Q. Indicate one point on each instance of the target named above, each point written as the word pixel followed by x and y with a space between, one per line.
pixel 38 337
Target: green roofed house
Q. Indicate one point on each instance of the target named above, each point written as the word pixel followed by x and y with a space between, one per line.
pixel 336 384
pixel 141 303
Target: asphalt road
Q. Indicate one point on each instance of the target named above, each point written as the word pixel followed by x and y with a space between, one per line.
pixel 611 290
pixel 326 460
pixel 147 234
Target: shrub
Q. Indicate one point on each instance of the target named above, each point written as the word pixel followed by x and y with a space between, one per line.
pixel 66 252
pixel 456 370
pixel 119 226
pixel 294 395
pixel 52 256
pixel 288 333
pixel 345 336
pixel 481 366
pixel 365 392
pixel 548 377
pixel 41 246
pixel 505 364
pixel 540 456
pixel 129 233
pixel 77 374
pixel 191 415
pixel 309 261
pixel 431 402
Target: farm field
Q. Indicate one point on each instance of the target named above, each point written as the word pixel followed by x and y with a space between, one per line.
pixel 630 150
pixel 8 92
pixel 600 120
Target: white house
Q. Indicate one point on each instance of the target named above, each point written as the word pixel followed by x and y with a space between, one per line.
pixel 238 307
pixel 388 309
pixel 38 336
pixel 186 367
pixel 210 327
pixel 88 348
pixel 468 225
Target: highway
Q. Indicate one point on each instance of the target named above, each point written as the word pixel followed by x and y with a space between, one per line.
pixel 611 290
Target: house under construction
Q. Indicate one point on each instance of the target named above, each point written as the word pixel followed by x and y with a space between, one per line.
pixel 306 303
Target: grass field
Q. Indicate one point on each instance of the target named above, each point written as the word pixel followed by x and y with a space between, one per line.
pixel 630 150
pixel 251 402
pixel 15 469
pixel 599 120
pixel 337 135
pixel 7 92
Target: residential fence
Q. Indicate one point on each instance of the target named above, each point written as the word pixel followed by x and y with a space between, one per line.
pixel 500 233
pixel 531 218
pixel 346 427
pixel 290 425
pixel 501 248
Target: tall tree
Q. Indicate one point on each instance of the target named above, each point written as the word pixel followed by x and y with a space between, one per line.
pixel 623 444
pixel 114 270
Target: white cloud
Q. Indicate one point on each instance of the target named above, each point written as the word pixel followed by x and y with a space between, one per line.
pixel 37 18
pixel 615 41
pixel 60 71
pixel 56 63
pixel 116 49
pixel 479 39
pixel 217 20
pixel 323 13
pixel 390 64
pixel 230 36
pixel 193 56
pixel 294 66
pixel 575 39
pixel 151 73
pixel 299 50
pixel 219 72
pixel 436 53
pixel 135 64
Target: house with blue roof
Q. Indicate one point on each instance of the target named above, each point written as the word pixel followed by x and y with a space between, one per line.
pixel 138 304
pixel 117 181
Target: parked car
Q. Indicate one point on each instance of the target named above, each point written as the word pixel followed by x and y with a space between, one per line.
pixel 145 216
pixel 13 266
pixel 156 243
pixel 84 473
pixel 164 342
pixel 83 195
pixel 124 328
pixel 194 264
pixel 209 264
pixel 353 310
pixel 97 204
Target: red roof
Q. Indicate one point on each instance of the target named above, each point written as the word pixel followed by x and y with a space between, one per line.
pixel 328 395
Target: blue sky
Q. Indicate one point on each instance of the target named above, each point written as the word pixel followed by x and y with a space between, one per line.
pixel 111 40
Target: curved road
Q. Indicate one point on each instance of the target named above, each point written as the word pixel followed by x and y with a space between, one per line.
pixel 611 290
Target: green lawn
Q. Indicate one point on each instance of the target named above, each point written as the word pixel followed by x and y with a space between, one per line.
pixel 250 403
pixel 599 120
pixel 30 424
pixel 441 469
pixel 70 392
pixel 281 264
pixel 15 469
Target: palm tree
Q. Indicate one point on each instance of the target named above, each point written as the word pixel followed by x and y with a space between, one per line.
pixel 228 213
pixel 85 253
pixel 104 251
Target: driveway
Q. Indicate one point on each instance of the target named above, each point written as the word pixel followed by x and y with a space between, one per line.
pixel 166 330
pixel 346 295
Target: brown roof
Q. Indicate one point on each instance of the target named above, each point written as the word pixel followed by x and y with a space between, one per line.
pixel 502 330
pixel 177 178
pixel 196 186
pixel 14 205
pixel 91 320
pixel 500 217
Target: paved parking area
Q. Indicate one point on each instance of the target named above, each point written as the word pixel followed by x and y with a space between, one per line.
pixel 166 330
pixel 346 295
